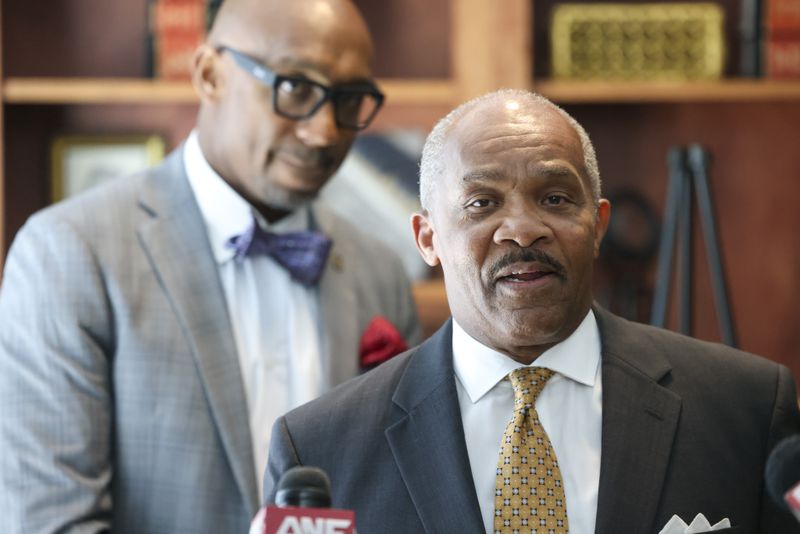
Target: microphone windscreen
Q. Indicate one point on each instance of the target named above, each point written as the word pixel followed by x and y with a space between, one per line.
pixel 783 469
pixel 304 486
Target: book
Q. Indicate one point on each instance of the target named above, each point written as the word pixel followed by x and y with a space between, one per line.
pixel 176 29
pixel 178 16
pixel 174 53
pixel 782 45
pixel 783 57
pixel 783 15
pixel 750 39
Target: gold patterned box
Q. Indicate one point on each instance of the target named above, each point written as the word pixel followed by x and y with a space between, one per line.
pixel 670 41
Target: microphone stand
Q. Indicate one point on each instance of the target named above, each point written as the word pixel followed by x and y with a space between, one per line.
pixel 688 179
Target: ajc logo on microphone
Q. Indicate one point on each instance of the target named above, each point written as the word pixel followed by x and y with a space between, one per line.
pixel 295 520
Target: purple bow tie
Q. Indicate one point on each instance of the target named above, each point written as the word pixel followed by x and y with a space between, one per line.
pixel 303 254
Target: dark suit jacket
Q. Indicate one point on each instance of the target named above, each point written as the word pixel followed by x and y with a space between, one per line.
pixel 687 428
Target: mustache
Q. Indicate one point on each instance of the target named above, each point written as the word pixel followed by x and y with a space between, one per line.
pixel 527 255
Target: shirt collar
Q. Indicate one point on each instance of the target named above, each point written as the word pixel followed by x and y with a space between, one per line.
pixel 479 368
pixel 225 213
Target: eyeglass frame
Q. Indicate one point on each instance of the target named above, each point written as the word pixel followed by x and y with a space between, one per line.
pixel 268 77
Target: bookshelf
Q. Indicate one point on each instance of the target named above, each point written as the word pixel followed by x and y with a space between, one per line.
pixel 469 47
pixel 55 91
pixel 65 91
pixel 732 90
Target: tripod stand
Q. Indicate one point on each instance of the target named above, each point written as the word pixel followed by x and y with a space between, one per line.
pixel 688 174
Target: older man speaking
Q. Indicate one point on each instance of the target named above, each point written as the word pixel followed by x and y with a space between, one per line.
pixel 534 410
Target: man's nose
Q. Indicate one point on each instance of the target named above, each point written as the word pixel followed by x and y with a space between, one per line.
pixel 320 130
pixel 523 226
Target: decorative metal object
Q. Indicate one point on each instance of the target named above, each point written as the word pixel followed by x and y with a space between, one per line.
pixel 638 41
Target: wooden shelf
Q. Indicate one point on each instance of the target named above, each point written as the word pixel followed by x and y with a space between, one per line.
pixel 419 91
pixel 95 91
pixel 398 91
pixel 736 90
pixel 144 91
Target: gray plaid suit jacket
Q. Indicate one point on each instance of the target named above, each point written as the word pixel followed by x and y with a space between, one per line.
pixel 121 399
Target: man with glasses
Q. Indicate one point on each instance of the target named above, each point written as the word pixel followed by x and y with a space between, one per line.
pixel 296 97
pixel 153 329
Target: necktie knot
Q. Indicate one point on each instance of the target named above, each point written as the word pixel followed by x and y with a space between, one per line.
pixel 303 254
pixel 528 383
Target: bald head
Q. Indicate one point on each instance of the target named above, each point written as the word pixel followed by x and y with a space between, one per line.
pixel 255 24
pixel 506 105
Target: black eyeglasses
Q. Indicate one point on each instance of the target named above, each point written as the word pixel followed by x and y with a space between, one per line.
pixel 296 97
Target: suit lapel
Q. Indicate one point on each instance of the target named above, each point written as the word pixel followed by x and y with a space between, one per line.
pixel 427 441
pixel 640 418
pixel 338 302
pixel 639 422
pixel 175 240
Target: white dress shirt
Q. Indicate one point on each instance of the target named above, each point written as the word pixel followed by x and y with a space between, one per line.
pixel 274 318
pixel 570 409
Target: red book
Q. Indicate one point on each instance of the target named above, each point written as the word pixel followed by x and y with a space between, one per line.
pixel 178 16
pixel 177 28
pixel 783 56
pixel 173 54
pixel 782 44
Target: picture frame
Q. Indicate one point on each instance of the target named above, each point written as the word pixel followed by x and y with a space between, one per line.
pixel 81 162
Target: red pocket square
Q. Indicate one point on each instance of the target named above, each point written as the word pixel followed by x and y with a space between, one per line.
pixel 380 341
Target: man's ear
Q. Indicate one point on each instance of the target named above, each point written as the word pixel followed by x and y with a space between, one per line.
pixel 207 76
pixel 423 235
pixel 601 223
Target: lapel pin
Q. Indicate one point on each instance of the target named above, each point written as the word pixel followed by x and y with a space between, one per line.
pixel 337 262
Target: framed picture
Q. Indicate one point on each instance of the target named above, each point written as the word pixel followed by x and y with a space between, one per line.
pixel 80 162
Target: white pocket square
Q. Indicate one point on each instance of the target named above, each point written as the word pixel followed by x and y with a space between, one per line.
pixel 676 525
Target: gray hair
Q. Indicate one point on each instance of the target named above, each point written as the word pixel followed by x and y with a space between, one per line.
pixel 432 165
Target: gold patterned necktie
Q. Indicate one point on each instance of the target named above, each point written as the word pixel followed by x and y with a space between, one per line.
pixel 529 492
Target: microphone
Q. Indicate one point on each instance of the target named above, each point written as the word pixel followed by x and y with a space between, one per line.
pixel 782 475
pixel 302 506
pixel 304 486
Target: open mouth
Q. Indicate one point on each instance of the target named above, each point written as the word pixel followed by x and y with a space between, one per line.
pixel 528 267
pixel 525 276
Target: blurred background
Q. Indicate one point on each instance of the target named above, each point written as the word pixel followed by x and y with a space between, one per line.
pixel 92 89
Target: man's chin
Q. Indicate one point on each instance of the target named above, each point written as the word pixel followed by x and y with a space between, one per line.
pixel 537 326
pixel 288 199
